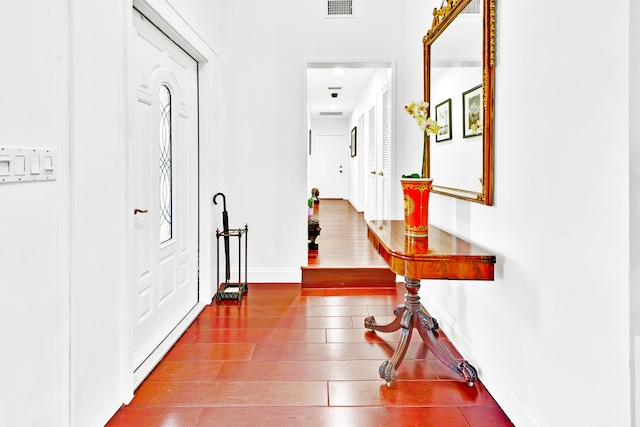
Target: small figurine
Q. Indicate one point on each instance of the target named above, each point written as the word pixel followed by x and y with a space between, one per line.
pixel 315 193
pixel 314 232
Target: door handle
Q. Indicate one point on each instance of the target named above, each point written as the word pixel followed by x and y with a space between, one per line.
pixel 372 172
pixel 137 211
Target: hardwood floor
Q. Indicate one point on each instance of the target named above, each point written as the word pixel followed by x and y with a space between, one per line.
pixel 295 356
pixel 343 240
pixel 345 257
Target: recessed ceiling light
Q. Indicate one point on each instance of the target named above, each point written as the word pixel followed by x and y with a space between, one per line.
pixel 339 71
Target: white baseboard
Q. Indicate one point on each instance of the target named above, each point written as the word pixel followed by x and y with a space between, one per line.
pixel 507 397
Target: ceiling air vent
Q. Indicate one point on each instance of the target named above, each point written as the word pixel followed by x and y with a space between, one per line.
pixel 330 113
pixel 340 9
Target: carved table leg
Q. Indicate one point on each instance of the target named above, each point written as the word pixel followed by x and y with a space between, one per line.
pixel 463 368
pixel 413 316
pixel 388 368
pixel 370 322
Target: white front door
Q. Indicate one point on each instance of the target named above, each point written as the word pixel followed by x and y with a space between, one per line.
pixel 164 171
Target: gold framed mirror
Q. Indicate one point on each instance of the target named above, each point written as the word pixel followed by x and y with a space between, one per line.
pixel 459 56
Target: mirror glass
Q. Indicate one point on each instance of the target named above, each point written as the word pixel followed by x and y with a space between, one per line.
pixel 459 157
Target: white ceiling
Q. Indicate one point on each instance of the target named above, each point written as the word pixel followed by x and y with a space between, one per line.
pixel 353 80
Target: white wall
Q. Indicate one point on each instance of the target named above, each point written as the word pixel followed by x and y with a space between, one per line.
pixel 34 307
pixel 550 336
pixel 264 97
pixel 97 160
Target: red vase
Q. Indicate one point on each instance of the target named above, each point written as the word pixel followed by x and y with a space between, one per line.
pixel 416 205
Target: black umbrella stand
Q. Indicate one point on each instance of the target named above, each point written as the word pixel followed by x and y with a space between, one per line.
pixel 228 289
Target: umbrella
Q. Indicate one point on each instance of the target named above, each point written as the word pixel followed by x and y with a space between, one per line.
pixel 225 227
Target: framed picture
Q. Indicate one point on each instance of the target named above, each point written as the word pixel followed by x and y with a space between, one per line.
pixel 353 141
pixel 472 112
pixel 443 117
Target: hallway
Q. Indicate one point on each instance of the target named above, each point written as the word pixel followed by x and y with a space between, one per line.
pixel 288 355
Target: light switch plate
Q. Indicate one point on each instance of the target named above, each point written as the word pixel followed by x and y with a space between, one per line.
pixel 27 164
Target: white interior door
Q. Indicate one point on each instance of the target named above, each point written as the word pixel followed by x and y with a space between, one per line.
pixel 384 157
pixel 378 126
pixel 371 210
pixel 164 171
pixel 329 152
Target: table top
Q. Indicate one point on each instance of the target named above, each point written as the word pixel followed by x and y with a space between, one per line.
pixel 439 256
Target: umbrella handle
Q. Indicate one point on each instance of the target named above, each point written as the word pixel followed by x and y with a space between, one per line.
pixel 224 200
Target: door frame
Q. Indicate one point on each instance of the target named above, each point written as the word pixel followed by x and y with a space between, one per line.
pixel 384 62
pixel 175 27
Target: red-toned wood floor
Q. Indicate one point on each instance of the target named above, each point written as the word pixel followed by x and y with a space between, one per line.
pixel 345 257
pixel 343 239
pixel 287 355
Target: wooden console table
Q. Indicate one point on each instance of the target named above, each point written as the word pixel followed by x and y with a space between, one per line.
pixel 439 256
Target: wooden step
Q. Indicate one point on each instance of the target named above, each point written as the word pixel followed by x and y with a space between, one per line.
pixel 345 257
pixel 348 277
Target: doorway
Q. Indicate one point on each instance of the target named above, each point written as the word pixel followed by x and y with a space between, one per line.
pixel 164 187
pixel 340 96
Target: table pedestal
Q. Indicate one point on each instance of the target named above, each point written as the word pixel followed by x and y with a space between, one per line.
pixel 410 316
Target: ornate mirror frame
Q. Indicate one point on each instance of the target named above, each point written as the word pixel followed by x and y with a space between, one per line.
pixel 442 18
